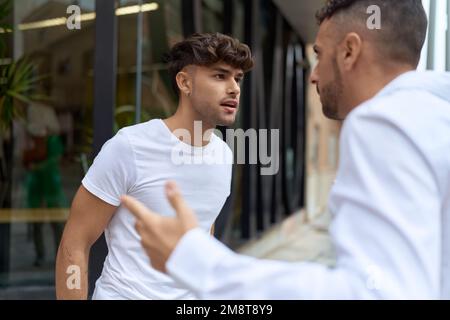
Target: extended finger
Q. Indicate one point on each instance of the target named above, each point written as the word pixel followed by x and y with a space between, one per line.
pixel 140 211
pixel 176 199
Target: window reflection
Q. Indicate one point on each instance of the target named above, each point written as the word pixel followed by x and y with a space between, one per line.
pixel 49 141
pixel 160 30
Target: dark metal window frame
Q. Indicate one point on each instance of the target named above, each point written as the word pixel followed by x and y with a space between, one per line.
pixel 105 70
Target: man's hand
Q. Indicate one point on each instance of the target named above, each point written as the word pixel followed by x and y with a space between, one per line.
pixel 160 235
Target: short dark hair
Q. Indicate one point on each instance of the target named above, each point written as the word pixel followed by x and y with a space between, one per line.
pixel 206 49
pixel 403 30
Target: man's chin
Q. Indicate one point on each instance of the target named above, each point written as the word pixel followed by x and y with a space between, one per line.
pixel 226 122
pixel 330 113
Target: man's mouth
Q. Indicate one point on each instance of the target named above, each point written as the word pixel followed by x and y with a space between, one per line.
pixel 230 104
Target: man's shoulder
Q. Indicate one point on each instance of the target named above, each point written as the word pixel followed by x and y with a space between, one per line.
pixel 403 108
pixel 141 132
pixel 141 128
pixel 418 116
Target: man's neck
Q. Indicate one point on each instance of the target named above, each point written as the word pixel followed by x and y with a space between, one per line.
pixel 185 118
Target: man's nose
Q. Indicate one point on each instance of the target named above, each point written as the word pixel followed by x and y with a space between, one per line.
pixel 234 88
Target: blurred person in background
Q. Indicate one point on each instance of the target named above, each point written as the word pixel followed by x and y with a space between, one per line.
pixel 43 178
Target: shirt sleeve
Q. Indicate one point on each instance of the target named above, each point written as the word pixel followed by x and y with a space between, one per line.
pixel 385 232
pixel 113 172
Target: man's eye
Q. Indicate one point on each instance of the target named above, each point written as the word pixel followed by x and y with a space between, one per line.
pixel 220 76
pixel 238 80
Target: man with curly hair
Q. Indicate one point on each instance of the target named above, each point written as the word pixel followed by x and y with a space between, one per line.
pixel 391 199
pixel 206 72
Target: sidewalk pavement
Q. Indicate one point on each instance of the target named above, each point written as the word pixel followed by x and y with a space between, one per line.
pixel 295 239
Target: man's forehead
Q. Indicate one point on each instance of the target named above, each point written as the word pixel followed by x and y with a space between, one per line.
pixel 324 31
pixel 329 33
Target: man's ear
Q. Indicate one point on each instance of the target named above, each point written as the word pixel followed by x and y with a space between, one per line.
pixel 350 51
pixel 184 82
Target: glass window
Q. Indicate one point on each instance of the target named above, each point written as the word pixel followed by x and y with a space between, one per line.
pixel 49 143
pixel 160 29
pixel 212 15
pixel 437 40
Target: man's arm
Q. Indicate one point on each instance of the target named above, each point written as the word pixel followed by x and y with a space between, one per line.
pixel 88 218
pixel 178 247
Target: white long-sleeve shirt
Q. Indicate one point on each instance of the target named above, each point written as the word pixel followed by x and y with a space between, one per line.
pixel 390 206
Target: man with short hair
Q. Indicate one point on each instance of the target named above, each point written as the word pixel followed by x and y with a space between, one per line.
pixel 391 199
pixel 206 72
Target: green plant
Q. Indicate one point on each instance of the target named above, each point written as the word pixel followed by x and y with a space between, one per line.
pixel 17 79
pixel 18 83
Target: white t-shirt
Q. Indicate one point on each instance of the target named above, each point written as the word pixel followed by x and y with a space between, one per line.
pixel 138 161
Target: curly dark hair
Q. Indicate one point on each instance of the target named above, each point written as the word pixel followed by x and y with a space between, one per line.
pixel 206 49
pixel 404 24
